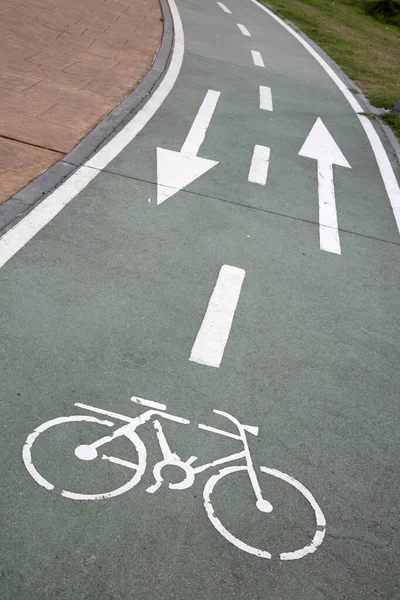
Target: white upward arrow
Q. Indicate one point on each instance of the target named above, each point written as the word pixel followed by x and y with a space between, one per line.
pixel 321 146
pixel 175 170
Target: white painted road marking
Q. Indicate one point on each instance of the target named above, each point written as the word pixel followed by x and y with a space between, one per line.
pixel 265 98
pixel 213 334
pixel 321 146
pixel 257 58
pixel 382 159
pixel 328 223
pixel 259 165
pixel 43 213
pixel 244 30
pixel 135 471
pixel 175 170
pixel 201 123
pixel 148 403
pixel 224 8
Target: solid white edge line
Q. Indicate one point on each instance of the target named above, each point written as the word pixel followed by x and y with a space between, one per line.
pixel 389 179
pixel 386 169
pixel 259 165
pixel 257 58
pixel 16 237
pixel 224 8
pixel 208 348
pixel 243 30
pixel 265 98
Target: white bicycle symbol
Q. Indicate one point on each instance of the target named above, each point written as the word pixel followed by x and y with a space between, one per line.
pixel 90 452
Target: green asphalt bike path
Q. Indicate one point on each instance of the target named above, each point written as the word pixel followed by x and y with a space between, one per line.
pixel 105 304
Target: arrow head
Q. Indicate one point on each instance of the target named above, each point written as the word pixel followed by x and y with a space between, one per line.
pixel 321 146
pixel 176 170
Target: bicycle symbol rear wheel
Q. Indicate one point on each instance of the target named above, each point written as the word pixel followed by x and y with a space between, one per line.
pixel 137 469
pixel 320 522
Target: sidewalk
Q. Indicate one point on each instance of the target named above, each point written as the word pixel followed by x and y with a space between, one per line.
pixel 63 66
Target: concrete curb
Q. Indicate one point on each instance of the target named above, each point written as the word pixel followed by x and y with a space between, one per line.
pixel 35 191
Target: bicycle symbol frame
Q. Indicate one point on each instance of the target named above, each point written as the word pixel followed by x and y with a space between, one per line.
pixel 88 452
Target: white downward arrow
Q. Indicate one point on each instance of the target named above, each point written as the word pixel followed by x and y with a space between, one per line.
pixel 175 170
pixel 321 146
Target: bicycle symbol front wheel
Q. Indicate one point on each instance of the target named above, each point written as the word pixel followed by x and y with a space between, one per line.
pixel 137 468
pixel 309 548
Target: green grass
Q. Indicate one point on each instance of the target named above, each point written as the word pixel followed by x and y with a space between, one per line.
pixel 386 11
pixel 367 49
pixel 393 120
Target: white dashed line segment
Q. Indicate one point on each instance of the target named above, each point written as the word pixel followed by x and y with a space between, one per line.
pixel 244 29
pixel 265 98
pixel 208 349
pixel 259 165
pixel 257 58
pixel 224 8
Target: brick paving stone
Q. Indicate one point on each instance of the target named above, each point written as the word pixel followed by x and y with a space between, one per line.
pixel 77 119
pixel 19 163
pixel 99 48
pixel 104 90
pixel 24 104
pixel 71 98
pixel 87 59
pixel 48 60
pixel 16 65
pixel 74 81
pixel 63 66
pixel 36 133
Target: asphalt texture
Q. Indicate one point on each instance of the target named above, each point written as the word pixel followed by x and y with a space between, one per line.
pixel 106 301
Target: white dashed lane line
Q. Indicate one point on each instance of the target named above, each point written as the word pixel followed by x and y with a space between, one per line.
pixel 257 58
pixel 259 165
pixel 244 29
pixel 208 348
pixel 224 8
pixel 265 98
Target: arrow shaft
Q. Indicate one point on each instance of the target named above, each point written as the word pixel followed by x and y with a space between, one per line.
pixel 200 125
pixel 328 223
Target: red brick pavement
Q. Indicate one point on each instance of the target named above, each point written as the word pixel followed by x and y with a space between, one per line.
pixel 63 66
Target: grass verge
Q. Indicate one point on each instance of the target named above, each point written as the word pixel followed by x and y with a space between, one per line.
pixel 393 120
pixel 366 49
